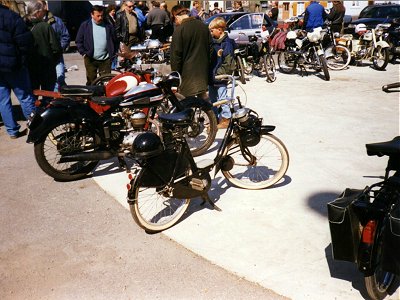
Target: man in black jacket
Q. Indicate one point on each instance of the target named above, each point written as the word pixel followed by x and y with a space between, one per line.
pixel 96 42
pixel 190 52
pixel 15 42
pixel 127 25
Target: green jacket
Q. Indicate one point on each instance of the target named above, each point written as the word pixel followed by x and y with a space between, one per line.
pixel 46 50
pixel 190 55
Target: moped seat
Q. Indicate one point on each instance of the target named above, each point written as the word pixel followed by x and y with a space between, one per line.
pixel 182 118
pixel 389 148
pixel 82 90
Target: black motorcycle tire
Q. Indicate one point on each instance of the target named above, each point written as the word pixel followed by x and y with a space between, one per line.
pixel 324 66
pixel 240 70
pixel 287 64
pixel 199 147
pixel 269 66
pixel 54 141
pixel 373 283
pixel 103 79
pixel 152 209
pixel 380 52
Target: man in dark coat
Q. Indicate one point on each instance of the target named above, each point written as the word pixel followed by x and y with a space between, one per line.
pixel 96 42
pixel 157 20
pixel 46 51
pixel 15 42
pixel 190 52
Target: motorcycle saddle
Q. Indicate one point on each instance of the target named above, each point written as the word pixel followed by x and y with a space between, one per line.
pixel 82 90
pixel 389 148
pixel 182 118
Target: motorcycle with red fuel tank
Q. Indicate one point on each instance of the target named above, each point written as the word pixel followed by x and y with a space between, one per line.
pixel 82 125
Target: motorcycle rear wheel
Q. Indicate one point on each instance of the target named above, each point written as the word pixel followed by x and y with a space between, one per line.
pixel 379 284
pixel 63 139
pixel 380 58
pixel 337 57
pixel 270 165
pixel 153 210
pixel 287 62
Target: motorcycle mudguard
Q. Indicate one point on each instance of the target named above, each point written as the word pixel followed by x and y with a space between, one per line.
pixel 382 44
pixel 65 111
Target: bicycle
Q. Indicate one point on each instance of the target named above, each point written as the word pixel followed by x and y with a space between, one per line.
pixel 159 192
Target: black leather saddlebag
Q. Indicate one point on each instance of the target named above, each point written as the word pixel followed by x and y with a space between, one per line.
pixel 344 224
pixel 391 242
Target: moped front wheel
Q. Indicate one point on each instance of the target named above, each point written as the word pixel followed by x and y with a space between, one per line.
pixel 337 57
pixel 269 66
pixel 153 209
pixel 380 58
pixel 287 62
pixel 268 164
pixel 240 70
pixel 324 66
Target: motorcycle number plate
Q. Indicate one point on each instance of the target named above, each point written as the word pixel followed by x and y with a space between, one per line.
pixel 320 52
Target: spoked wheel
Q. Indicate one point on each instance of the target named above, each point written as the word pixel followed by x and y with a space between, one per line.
pixel 65 139
pixel 379 284
pixel 103 79
pixel 240 70
pixel 324 66
pixel 269 66
pixel 153 209
pixel 337 57
pixel 287 62
pixel 247 67
pixel 268 163
pixel 380 58
pixel 201 133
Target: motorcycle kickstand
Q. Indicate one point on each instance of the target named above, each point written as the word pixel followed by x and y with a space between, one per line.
pixel 206 198
pixel 122 164
pixel 303 70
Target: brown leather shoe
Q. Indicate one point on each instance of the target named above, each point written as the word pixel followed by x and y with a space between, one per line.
pixel 223 123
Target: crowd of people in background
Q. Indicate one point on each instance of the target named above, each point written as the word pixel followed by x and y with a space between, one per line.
pixel 32 46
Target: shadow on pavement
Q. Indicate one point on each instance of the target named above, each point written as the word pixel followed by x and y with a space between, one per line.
pixel 318 202
pixel 346 271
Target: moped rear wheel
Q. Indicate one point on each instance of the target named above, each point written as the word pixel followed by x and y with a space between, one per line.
pixel 379 284
pixel 153 209
pixel 287 62
pixel 271 161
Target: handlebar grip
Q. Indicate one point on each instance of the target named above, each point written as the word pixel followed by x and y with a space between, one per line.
pixel 223 76
pixel 218 103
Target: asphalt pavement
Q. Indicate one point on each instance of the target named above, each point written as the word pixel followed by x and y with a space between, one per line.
pixel 279 237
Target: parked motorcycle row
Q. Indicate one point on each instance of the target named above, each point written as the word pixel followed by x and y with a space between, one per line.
pixel 138 118
pixel 322 50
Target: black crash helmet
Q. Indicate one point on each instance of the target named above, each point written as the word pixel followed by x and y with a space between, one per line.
pixel 146 145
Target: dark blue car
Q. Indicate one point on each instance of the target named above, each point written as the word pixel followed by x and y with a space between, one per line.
pixel 373 15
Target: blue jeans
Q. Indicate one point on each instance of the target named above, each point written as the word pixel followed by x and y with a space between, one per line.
pixel 19 82
pixel 216 93
pixel 60 70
